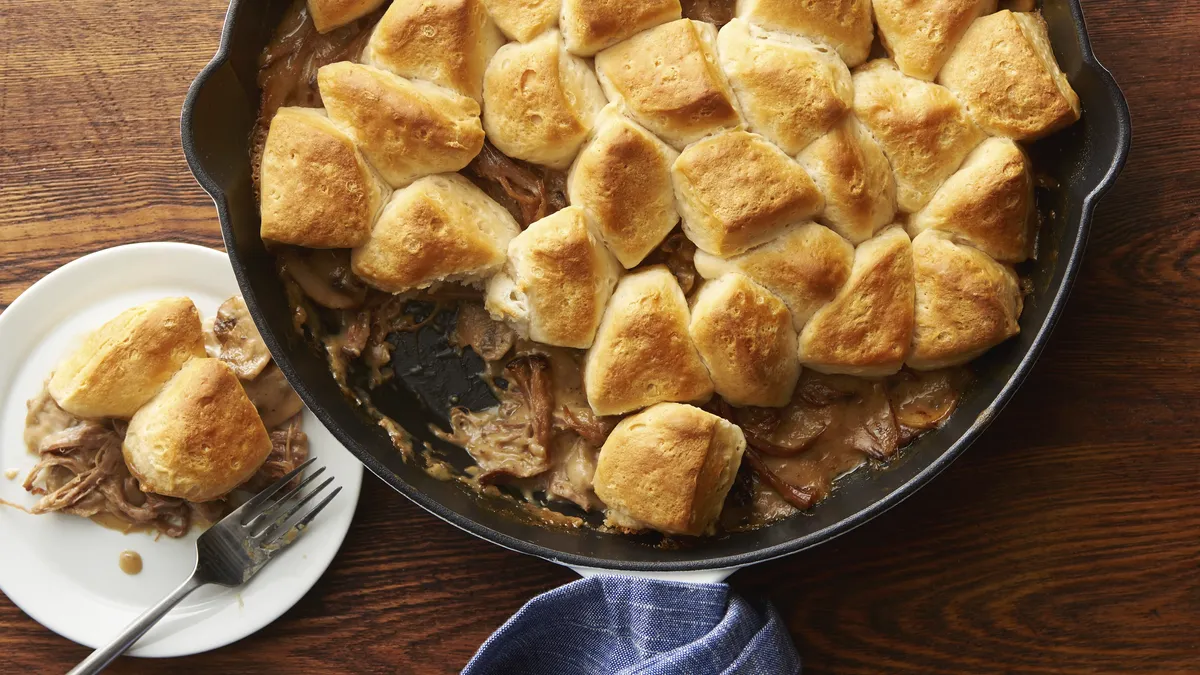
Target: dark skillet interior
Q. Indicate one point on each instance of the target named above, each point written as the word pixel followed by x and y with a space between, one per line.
pixel 217 119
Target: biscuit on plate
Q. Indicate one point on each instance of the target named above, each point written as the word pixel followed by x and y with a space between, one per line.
pixel 199 438
pixel 123 363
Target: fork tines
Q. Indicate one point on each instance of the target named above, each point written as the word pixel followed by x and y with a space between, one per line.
pixel 266 521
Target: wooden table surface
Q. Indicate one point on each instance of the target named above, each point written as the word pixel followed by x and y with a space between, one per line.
pixel 1067 540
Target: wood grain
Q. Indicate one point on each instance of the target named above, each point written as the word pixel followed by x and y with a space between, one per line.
pixel 1065 541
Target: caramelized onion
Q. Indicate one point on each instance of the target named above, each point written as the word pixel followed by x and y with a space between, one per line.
pixel 357 333
pixel 872 425
pixel 797 497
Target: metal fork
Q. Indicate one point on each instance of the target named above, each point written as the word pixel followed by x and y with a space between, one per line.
pixel 229 553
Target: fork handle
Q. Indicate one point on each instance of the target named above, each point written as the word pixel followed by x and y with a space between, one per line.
pixel 100 658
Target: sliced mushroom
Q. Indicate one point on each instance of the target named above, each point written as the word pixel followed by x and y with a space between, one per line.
pixel 785 431
pixel 237 340
pixel 325 276
pixel 820 389
pixel 273 396
pixel 923 400
pixel 476 329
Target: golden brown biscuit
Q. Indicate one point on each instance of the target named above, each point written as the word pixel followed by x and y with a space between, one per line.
pixel 124 363
pixel 440 228
pixel 540 102
pixel 1004 71
pixel 523 20
pixel 406 129
pixel 643 354
pixel 591 25
pixel 744 334
pixel 867 328
pixel 667 78
pixel 623 178
pixel 737 190
pixel 922 128
pixel 855 178
pixel 668 468
pixel 556 283
pixel 789 89
pixel 329 14
pixel 967 303
pixel 446 42
pixel 806 266
pixel 199 438
pixel 988 203
pixel 845 25
pixel 316 189
pixel 920 34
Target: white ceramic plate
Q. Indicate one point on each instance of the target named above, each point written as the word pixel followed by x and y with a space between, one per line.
pixel 62 570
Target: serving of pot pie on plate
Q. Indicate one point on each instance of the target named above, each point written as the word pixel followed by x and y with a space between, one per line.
pixel 164 410
pixel 712 256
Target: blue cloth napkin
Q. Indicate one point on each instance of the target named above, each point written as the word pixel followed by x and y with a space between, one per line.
pixel 624 625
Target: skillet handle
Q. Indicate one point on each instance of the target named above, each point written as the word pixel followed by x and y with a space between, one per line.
pixel 714 576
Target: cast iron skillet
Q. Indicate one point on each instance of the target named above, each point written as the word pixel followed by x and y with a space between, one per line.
pixel 218 116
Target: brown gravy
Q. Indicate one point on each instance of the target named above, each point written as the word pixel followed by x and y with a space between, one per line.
pixel 130 562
